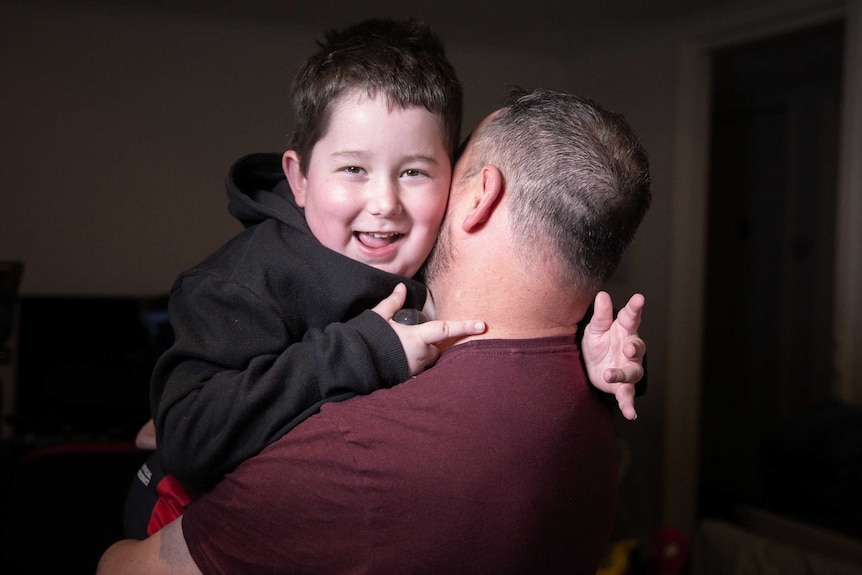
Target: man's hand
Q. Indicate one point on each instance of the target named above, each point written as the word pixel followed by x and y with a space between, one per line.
pixel 613 351
pixel 420 342
pixel 146 437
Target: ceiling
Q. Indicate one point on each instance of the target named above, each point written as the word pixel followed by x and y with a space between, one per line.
pixel 543 24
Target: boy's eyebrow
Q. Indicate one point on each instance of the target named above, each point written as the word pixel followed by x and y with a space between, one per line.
pixel 360 155
pixel 421 158
pixel 349 154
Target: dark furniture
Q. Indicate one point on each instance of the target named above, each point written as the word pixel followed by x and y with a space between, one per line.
pixel 83 369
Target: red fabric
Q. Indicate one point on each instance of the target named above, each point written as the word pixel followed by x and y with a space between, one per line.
pixel 173 499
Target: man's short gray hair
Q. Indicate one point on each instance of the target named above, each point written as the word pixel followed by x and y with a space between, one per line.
pixel 577 180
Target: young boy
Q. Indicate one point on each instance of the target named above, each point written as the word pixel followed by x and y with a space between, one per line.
pixel 280 319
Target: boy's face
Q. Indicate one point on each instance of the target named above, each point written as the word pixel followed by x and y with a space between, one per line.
pixel 377 183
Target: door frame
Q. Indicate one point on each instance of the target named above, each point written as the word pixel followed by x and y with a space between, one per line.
pixel 689 189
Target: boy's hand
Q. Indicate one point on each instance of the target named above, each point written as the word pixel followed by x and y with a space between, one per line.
pixel 420 341
pixel 613 351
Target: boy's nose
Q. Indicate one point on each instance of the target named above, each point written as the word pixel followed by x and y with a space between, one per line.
pixel 385 200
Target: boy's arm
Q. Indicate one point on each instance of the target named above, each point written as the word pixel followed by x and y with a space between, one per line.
pixel 422 343
pixel 237 378
pixel 613 352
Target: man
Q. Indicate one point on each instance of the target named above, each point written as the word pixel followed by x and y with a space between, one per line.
pixel 500 458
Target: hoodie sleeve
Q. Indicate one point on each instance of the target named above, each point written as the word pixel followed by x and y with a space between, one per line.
pixel 236 378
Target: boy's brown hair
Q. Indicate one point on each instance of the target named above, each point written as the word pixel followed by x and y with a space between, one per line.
pixel 401 60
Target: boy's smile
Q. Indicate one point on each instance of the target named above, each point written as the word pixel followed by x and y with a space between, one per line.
pixel 377 183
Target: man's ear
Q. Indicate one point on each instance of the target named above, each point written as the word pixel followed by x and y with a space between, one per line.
pixel 485 198
pixel 293 171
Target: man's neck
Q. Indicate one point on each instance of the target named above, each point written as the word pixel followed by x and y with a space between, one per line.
pixel 511 310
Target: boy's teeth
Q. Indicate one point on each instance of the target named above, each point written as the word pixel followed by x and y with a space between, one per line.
pixel 377 239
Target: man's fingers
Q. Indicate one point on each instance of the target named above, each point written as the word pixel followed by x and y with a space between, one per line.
pixel 630 315
pixel 436 331
pixel 630 374
pixel 603 312
pixel 635 349
pixel 626 401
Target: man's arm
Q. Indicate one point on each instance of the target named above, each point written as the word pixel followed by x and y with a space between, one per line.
pixel 165 552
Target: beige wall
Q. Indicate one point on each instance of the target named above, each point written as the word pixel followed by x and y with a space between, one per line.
pixel 119 127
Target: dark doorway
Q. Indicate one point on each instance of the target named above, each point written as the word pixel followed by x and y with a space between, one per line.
pixel 769 273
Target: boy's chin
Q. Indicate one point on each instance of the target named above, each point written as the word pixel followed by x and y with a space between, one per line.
pixel 395 268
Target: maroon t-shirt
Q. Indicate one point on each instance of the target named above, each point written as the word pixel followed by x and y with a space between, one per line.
pixel 499 459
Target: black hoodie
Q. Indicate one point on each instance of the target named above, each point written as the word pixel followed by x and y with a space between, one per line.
pixel 268 328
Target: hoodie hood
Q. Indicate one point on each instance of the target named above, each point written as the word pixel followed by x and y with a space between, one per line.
pixel 257 189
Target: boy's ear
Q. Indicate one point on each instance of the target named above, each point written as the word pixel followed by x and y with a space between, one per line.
pixel 292 170
pixel 484 198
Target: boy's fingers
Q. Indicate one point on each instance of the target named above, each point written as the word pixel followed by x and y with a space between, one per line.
pixel 387 307
pixel 436 331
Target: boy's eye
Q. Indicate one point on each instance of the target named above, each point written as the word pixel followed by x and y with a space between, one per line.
pixel 412 173
pixel 353 170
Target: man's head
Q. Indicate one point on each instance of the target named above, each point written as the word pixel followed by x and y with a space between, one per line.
pixel 402 61
pixel 574 182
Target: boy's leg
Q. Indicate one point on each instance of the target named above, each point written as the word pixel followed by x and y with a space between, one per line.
pixel 142 497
